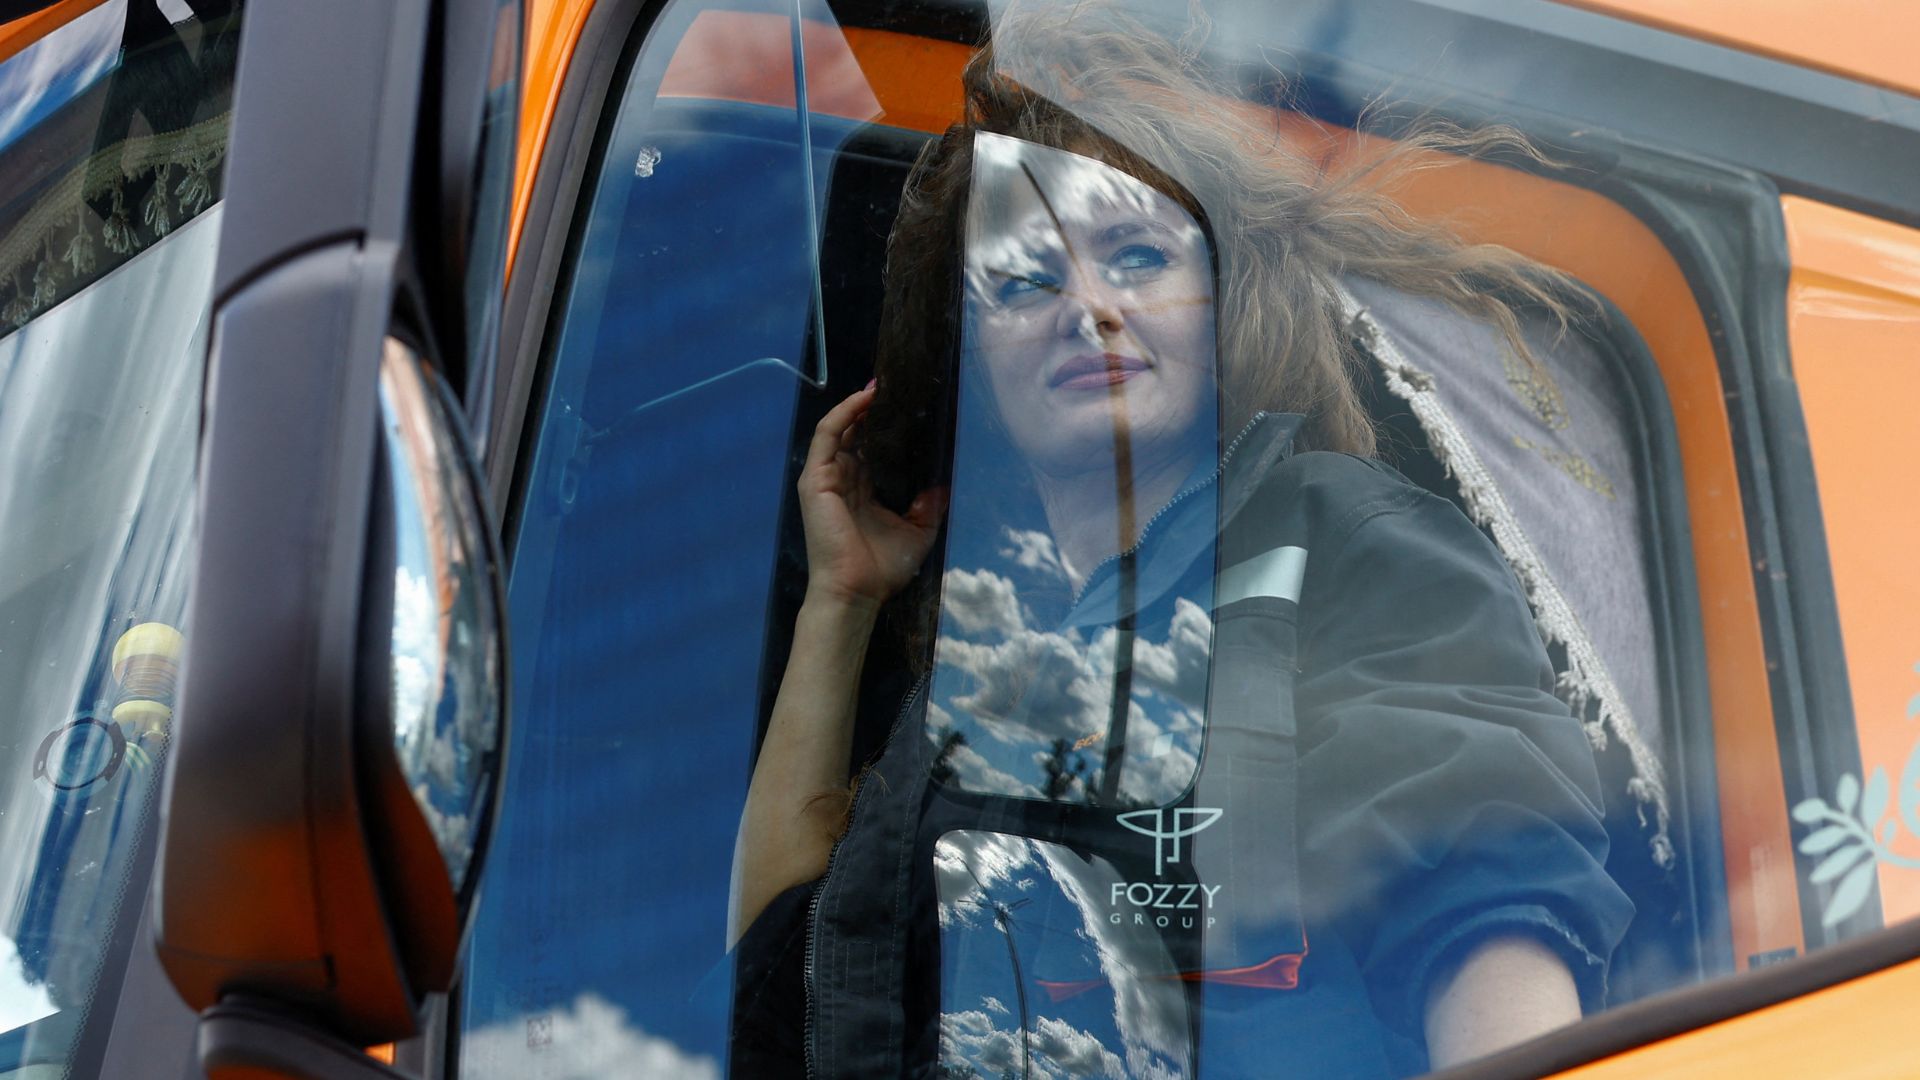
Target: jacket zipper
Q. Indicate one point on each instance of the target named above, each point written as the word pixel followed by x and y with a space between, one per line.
pixel 813 904
pixel 1184 494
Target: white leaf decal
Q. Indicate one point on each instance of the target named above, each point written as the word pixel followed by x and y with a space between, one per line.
pixel 1850 895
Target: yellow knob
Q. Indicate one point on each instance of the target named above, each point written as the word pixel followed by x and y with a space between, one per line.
pixel 146 660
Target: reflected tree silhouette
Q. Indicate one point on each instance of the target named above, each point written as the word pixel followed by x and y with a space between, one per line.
pixel 1060 768
pixel 950 741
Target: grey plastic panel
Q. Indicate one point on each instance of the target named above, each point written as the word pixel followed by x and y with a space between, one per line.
pixel 264 762
pixel 326 93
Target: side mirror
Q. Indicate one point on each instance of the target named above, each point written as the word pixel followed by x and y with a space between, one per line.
pixel 395 790
pixel 336 753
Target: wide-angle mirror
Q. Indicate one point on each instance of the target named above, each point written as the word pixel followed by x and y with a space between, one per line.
pixel 447 667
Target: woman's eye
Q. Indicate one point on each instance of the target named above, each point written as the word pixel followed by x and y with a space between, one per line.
pixel 1137 260
pixel 1015 289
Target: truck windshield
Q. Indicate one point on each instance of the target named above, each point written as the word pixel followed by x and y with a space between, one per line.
pixel 113 129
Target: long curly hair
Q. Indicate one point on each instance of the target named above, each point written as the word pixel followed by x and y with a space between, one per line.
pixel 1090 79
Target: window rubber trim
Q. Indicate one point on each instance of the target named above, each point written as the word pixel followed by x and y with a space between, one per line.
pixel 1674 593
pixel 1731 246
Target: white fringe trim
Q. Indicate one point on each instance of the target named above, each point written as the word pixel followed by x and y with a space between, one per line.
pixel 1586 682
pixel 26 252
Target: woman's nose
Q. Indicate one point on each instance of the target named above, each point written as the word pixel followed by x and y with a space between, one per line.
pixel 1090 307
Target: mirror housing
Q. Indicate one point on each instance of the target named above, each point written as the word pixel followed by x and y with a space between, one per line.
pixel 324 811
pixel 352 832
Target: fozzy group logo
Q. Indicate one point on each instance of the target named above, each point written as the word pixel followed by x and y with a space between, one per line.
pixel 1187 820
pixel 1164 904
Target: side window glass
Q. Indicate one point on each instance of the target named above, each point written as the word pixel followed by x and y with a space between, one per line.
pixel 650 563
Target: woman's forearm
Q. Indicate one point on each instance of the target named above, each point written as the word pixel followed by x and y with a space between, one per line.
pixel 1506 991
pixel 787 829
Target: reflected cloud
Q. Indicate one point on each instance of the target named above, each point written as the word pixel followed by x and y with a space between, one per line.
pixel 1057 1049
pixel 970 1040
pixel 1036 684
pixel 974 772
pixel 22 1000
pixel 1150 1013
pixel 1037 704
pixel 589 1040
pixel 1073 1052
pixel 1015 236
pixel 1031 549
pixel 416 656
pixel 1003 897
pixel 981 602
pixel 1179 664
pixel 969 866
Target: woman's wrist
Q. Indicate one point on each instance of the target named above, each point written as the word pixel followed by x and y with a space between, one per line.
pixel 836 606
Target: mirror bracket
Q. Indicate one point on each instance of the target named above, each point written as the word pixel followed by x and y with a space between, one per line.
pixel 241 1037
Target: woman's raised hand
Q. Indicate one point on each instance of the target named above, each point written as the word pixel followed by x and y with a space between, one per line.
pixel 858 551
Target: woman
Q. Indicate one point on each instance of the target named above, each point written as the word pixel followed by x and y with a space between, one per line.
pixel 1388 854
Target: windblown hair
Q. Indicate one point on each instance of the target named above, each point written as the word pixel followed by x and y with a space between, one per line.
pixel 1091 80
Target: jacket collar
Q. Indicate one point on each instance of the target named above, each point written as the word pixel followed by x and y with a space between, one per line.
pixel 1185 530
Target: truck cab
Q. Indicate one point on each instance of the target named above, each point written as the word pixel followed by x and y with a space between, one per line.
pixel 406 403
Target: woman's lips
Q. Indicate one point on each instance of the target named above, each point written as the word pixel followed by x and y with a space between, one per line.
pixel 1095 372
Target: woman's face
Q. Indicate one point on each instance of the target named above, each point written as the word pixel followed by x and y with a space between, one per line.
pixel 1090 301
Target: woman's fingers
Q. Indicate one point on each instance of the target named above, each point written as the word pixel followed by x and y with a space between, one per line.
pixel 829 433
pixel 855 545
pixel 927 508
pixel 851 480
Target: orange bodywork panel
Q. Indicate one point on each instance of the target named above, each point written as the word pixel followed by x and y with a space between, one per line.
pixel 552 31
pixel 1869 40
pixel 1853 308
pixel 1854 1030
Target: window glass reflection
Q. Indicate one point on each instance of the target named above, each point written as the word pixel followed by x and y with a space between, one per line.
pixel 1378 747
pixel 1040 687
